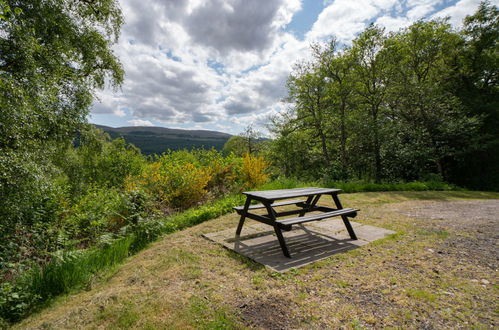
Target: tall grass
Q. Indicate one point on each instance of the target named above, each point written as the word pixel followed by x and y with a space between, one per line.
pixel 352 187
pixel 72 270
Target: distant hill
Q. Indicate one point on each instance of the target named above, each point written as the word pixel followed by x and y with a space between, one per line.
pixel 156 140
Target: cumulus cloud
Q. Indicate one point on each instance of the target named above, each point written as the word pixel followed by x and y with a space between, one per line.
pixel 239 25
pixel 224 63
pixel 140 122
pixel 458 11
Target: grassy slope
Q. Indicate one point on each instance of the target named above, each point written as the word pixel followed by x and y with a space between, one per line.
pixel 185 281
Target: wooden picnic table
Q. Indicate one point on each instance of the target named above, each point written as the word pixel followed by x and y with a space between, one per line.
pixel 273 218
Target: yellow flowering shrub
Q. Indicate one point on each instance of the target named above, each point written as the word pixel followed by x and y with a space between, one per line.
pixel 253 171
pixel 175 184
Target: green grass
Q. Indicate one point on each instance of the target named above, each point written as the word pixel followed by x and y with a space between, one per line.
pixel 360 186
pixel 186 281
pixel 73 270
pixel 351 187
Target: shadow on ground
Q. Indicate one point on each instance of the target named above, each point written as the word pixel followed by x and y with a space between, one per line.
pixel 306 243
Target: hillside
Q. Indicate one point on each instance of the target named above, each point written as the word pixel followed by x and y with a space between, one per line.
pixel 157 140
pixel 436 272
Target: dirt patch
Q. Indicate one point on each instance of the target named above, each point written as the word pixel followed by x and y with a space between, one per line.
pixel 268 313
pixel 472 226
pixel 464 212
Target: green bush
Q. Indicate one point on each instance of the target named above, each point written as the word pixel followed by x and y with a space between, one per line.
pixel 97 212
pixel 70 270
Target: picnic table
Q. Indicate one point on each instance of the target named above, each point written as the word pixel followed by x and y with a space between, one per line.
pixel 304 209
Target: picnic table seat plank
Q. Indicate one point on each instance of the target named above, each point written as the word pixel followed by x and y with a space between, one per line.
pixel 261 206
pixel 314 217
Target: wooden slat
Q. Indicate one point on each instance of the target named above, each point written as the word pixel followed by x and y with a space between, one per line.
pixel 290 193
pixel 261 206
pixel 315 217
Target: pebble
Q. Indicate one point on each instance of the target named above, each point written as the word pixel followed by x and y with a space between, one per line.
pixel 484 281
pixel 474 280
pixel 431 250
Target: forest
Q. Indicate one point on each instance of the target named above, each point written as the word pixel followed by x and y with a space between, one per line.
pixel 414 104
pixel 415 109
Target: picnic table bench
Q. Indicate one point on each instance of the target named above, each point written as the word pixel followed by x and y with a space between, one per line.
pixel 268 200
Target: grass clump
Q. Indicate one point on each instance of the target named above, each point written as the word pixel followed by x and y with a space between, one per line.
pixel 421 295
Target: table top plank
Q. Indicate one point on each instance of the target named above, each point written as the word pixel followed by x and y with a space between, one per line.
pixel 290 193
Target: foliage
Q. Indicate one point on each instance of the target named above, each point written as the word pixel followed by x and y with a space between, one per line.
pixel 250 141
pixel 53 55
pixel 176 182
pixel 253 171
pixel 397 106
pixel 69 270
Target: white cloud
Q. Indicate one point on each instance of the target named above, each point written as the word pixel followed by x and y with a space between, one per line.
pixel 140 122
pixel 343 19
pixel 224 63
pixel 459 11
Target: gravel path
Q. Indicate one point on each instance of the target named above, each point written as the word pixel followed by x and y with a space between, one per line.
pixel 473 227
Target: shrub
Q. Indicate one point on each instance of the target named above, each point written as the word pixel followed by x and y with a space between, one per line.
pixel 97 212
pixel 253 171
pixel 175 183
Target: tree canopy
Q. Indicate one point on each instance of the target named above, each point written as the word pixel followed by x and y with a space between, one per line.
pixel 54 55
pixel 405 105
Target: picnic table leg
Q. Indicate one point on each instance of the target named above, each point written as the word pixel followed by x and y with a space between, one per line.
pixel 282 242
pixel 277 229
pixel 243 216
pixel 307 206
pixel 344 217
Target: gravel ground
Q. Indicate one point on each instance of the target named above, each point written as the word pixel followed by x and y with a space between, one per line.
pixel 474 226
pixel 462 213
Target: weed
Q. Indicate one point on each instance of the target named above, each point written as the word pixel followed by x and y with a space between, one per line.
pixel 421 294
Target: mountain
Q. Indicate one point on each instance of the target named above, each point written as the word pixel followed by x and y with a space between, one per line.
pixel 156 140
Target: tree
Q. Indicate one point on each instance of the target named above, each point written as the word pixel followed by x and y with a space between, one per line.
pixel 251 137
pixel 434 118
pixel 249 141
pixel 339 80
pixel 372 81
pixel 54 54
pixel 476 84
pixel 236 144
pixel 308 92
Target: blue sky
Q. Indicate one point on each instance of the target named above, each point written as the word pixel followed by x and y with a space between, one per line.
pixel 222 64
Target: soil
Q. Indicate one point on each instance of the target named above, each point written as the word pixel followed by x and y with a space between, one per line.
pixel 474 226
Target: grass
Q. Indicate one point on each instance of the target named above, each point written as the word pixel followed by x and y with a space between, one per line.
pixel 185 281
pixel 360 186
pixel 73 271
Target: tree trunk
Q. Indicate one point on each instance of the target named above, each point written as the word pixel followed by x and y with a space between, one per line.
pixel 343 141
pixel 325 152
pixel 377 147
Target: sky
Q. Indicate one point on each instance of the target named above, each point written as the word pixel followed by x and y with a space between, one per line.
pixel 222 64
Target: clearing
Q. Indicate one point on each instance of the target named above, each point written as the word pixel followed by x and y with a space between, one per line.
pixel 439 270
